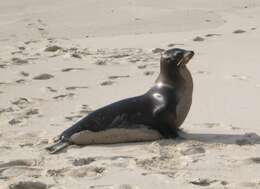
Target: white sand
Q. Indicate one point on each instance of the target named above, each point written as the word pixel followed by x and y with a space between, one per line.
pixel 222 129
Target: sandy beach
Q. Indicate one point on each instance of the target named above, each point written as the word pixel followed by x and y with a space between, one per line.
pixel 60 60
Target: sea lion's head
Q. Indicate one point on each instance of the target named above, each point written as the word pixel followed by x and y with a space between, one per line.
pixel 176 58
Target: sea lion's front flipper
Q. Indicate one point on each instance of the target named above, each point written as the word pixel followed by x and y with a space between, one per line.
pixel 56 147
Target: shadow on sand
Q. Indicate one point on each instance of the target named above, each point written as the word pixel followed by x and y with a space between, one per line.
pixel 239 139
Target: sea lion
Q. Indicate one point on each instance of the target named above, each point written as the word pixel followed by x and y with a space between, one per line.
pixel 157 113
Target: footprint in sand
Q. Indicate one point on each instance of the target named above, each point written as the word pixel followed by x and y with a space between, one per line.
pixel 72 69
pixel 41 28
pixel 106 83
pixel 33 111
pixel 14 121
pixel 203 182
pixel 25 74
pixel 170 174
pixel 119 76
pixel 101 62
pixel 44 76
pixel 17 168
pixel 193 150
pixel 175 44
pixel 28 185
pixel 76 87
pixel 133 60
pixel 21 102
pixel 3 65
pixel 148 73
pixel 83 161
pixel 234 127
pixel 198 39
pixel 31 41
pixel 73 118
pixel 239 31
pixel 142 66
pixel 19 61
pixel 69 95
pixel 52 89
pixel 102 186
pixel 212 35
pixel 21 171
pixel 76 55
pixel 158 50
pixel 20 81
pixel 121 186
pixel 255 160
pixel 202 72
pixel 211 125
pixel 119 56
pixel 128 186
pixel 85 109
pixel 80 171
pixel 53 48
pixel 10 109
pixel 249 185
pixel 18 162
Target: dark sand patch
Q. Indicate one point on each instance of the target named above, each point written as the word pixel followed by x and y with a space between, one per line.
pixel 147 73
pixel 119 76
pixel 44 76
pixel 239 31
pixel 106 83
pixel 198 39
pixel 71 69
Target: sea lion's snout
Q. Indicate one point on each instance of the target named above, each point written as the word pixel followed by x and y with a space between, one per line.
pixel 177 56
pixel 187 56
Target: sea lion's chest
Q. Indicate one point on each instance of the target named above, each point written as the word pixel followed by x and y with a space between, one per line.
pixel 184 97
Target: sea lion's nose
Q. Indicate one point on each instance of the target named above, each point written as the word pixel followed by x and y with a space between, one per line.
pixel 192 53
pixel 189 54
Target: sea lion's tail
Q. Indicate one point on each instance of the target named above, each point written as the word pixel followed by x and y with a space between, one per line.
pixel 57 146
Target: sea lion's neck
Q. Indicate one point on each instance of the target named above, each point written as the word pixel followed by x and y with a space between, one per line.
pixel 174 78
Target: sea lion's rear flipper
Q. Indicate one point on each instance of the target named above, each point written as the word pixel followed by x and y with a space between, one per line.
pixel 56 147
